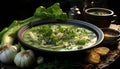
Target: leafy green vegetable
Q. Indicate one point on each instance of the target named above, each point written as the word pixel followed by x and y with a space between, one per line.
pixel 2 32
pixel 10 35
pixel 51 12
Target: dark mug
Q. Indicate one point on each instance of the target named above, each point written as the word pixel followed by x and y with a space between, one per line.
pixel 101 17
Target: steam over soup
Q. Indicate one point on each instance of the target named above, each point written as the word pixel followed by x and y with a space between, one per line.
pixel 59 37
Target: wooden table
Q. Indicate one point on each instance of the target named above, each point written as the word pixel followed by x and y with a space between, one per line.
pixel 113 55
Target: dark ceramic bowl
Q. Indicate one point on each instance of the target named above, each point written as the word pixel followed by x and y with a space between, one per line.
pixel 48 53
pixel 111 36
pixel 101 17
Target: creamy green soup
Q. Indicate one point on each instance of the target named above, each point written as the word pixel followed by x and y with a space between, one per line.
pixel 99 13
pixel 59 37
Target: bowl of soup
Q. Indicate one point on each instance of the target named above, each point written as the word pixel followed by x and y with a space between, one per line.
pixel 111 36
pixel 51 37
pixel 101 17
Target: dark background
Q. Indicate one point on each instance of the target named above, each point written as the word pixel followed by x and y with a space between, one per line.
pixel 21 9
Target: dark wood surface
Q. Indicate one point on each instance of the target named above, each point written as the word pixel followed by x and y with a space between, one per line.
pixel 111 61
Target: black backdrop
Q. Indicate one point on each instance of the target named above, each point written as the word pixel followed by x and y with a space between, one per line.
pixel 20 9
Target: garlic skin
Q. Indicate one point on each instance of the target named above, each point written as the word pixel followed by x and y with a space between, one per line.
pixel 24 58
pixel 7 54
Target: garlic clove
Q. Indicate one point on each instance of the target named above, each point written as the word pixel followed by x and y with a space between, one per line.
pixel 24 58
pixel 7 54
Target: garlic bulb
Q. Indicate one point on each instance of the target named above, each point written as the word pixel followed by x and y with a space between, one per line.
pixel 24 58
pixel 7 53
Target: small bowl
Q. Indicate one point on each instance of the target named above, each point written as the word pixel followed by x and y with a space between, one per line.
pixel 101 17
pixel 111 36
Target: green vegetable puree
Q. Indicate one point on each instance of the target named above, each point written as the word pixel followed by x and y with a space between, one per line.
pixel 59 37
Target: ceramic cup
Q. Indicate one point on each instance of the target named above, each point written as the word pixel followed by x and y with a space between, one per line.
pixel 101 17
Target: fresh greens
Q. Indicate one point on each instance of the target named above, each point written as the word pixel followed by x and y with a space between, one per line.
pixel 51 12
pixel 9 35
pixel 2 32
